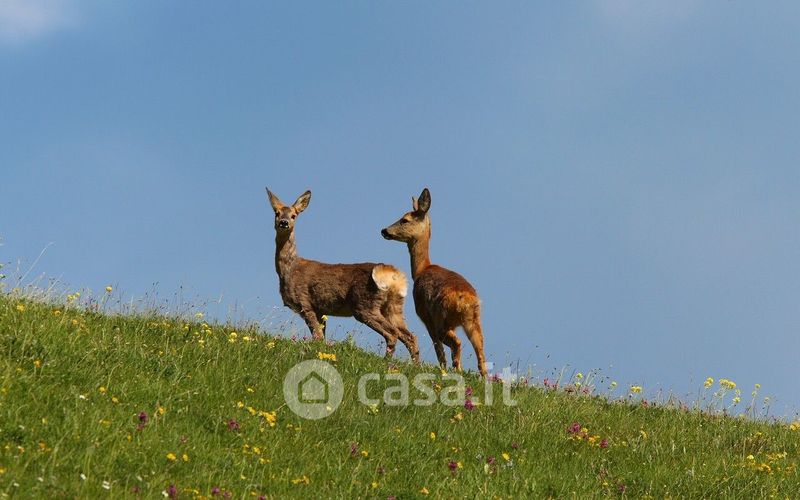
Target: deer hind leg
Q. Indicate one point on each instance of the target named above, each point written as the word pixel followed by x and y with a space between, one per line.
pixel 452 341
pixel 406 337
pixel 393 312
pixel 376 321
pixel 472 327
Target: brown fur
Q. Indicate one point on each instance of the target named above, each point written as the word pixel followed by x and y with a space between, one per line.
pixel 443 299
pixel 372 293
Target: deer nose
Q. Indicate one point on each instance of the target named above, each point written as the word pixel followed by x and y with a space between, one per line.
pixel 385 233
pixel 283 223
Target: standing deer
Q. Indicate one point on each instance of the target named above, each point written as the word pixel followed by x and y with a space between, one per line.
pixel 373 294
pixel 443 299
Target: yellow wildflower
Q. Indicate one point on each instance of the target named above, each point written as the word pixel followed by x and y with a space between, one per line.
pixel 365 453
pixel 102 389
pixel 37 363
pixel 270 345
pixel 171 457
pixel 424 490
pixel 636 389
pixel 21 307
pixel 506 456
pixel 643 433
pixel 708 383
pixel 432 435
pixel 301 480
pixel 109 289
pixel 727 384
pixel 114 400
pixel 185 457
pixel 375 484
pixel 326 356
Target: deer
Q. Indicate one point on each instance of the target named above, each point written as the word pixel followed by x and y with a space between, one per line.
pixel 374 294
pixel 443 299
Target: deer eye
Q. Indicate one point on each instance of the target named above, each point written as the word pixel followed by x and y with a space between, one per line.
pixel 277 214
pixel 294 215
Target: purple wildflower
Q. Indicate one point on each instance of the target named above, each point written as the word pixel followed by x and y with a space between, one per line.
pixel 469 405
pixel 172 491
pixel 215 491
pixel 233 424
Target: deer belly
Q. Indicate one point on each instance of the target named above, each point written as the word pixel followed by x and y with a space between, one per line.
pixel 331 304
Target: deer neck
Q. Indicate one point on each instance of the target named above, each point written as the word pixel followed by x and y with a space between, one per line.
pixel 285 254
pixel 420 256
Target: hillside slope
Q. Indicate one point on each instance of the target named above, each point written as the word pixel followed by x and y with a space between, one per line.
pixel 95 405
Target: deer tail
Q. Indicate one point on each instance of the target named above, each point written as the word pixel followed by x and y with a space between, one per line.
pixel 390 278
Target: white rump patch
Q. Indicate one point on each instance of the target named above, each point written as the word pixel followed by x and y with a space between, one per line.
pixel 390 278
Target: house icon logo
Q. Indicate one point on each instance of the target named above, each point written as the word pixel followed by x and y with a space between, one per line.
pixel 313 389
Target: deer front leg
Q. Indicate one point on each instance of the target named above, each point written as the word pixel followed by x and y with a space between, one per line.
pixel 452 341
pixel 317 329
pixel 439 348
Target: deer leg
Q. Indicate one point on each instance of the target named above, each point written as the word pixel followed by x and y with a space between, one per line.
pixel 377 322
pixel 410 341
pixel 317 329
pixel 439 348
pixel 452 341
pixel 472 327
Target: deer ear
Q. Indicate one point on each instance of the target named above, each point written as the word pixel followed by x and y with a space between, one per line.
pixel 274 201
pixel 302 202
pixel 414 205
pixel 424 203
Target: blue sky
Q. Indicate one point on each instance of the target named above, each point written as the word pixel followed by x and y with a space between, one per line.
pixel 619 180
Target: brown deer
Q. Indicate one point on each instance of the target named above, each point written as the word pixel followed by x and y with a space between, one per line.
pixel 443 299
pixel 373 294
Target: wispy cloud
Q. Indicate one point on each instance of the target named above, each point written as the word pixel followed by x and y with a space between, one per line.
pixel 23 21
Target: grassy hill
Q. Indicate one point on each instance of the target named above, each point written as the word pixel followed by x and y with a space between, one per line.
pixel 102 405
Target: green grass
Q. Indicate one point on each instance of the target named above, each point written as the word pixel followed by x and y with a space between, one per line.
pixel 74 382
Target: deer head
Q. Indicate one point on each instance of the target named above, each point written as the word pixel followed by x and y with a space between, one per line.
pixel 285 216
pixel 413 225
